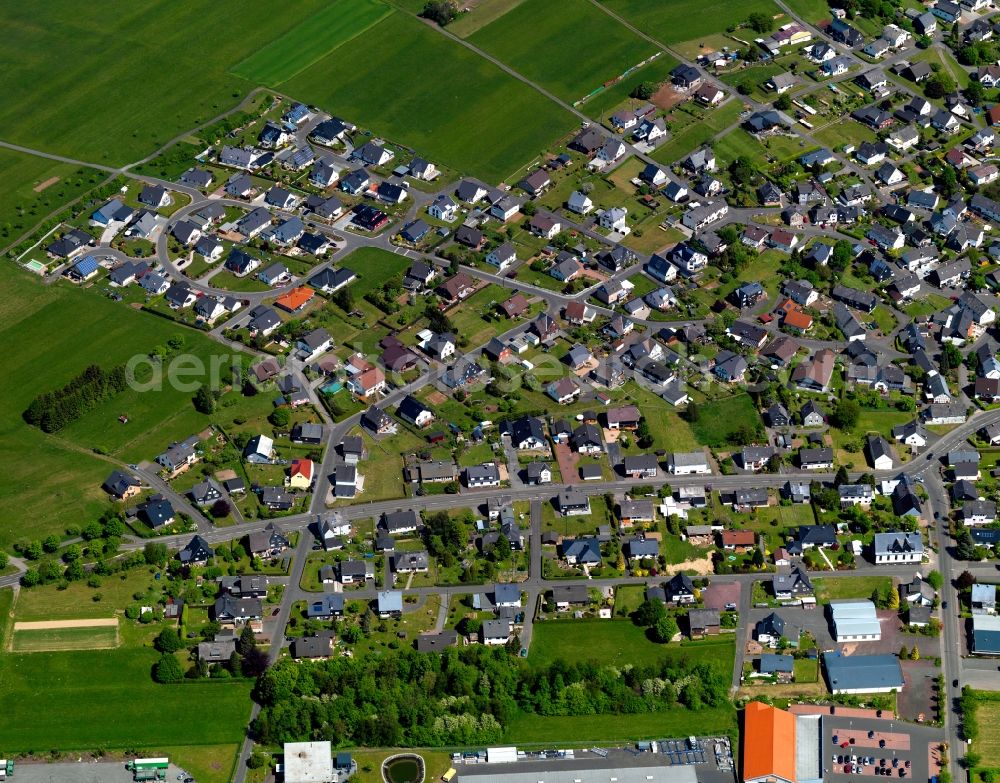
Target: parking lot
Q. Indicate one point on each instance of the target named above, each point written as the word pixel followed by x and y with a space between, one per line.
pixel 889 748
pixel 83 772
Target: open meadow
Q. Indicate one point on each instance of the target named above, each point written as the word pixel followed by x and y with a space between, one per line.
pixel 62 639
pixel 543 40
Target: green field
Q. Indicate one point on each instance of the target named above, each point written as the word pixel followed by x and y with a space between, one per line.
pixel 373 266
pixel 310 40
pixel 812 11
pixel 51 334
pixel 531 729
pixel 987 743
pixel 401 79
pixel 22 206
pixel 124 708
pixel 544 41
pixel 109 83
pixel 673 21
pixel 719 418
pixel 832 588
pixel 618 642
pixel 36 640
pixel 699 132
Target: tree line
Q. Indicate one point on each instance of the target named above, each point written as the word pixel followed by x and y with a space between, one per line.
pixel 464 696
pixel 52 411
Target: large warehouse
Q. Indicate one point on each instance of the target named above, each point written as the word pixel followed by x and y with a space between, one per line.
pixel 863 673
pixel 779 747
pixel 855 621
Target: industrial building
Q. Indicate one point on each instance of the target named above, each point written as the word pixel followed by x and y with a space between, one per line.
pixel 863 673
pixel 855 621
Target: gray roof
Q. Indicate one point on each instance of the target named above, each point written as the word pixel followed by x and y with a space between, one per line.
pixel 862 672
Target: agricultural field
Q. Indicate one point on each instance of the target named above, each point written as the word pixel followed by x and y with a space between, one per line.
pixel 685 20
pixel 311 40
pixel 73 59
pixel 390 78
pixel 811 11
pixel 543 41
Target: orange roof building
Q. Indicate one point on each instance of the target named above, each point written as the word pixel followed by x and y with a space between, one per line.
pixel 796 319
pixel 768 744
pixel 295 299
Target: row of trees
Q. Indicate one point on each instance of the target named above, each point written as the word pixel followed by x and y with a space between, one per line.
pixel 464 696
pixel 52 411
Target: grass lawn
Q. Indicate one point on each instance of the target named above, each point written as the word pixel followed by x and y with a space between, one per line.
pixel 542 40
pixel 618 642
pixel 845 132
pixel 530 729
pixel 390 78
pixel 627 599
pixel 606 101
pixel 374 267
pixel 72 58
pixel 685 20
pixel 468 319
pixel 311 40
pixel 436 762
pixel 52 333
pixel 670 432
pixel 719 418
pixel 831 588
pixel 697 133
pixel 776 148
pixel 124 707
pixel 806 669
pixel 812 11
pixel 35 640
pixel 926 305
pixel 24 201
pixel 206 763
pixel 48 602
pixel 987 743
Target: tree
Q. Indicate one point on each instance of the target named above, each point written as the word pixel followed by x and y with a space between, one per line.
pixel 155 553
pixel 951 357
pixel 842 255
pixel 168 641
pixel 204 400
pixel 221 508
pixel 34 550
pixel 783 103
pixel 935 580
pixel 649 612
pixel 665 629
pixel 692 413
pixel 903 653
pixel 50 544
pixel 846 415
pixel 168 669
pixel 280 417
pixel 760 22
pixel 893 598
pixel 442 12
pixel 915 653
pixel 742 171
pixel 246 641
pixel 975 93
pixel 842 477
pixel 965 581
pixel 758 558
pixel 939 85
pixel 644 90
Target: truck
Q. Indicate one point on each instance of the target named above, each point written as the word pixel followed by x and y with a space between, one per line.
pixel 148 769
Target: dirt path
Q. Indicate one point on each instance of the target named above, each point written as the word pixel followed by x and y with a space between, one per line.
pixel 44 625
pixel 47 184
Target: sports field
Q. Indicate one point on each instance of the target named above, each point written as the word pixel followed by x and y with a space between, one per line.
pixel 118 703
pixel 311 40
pixel 411 84
pixel 65 635
pixel 672 21
pixel 109 83
pixel 546 42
